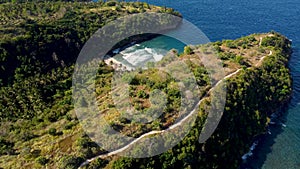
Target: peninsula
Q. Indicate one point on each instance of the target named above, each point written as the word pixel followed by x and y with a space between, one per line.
pixel 39 44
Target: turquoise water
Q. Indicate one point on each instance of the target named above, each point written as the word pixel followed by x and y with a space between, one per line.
pixel 138 55
pixel 232 19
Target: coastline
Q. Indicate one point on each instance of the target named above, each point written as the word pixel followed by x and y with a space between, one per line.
pixel 140 38
pixel 273 127
pixel 131 41
pixel 262 132
pixel 264 141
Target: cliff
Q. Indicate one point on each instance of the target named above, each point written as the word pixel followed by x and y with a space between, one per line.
pixel 39 45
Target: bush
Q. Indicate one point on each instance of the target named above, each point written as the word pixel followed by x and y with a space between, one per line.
pixel 118 8
pixel 231 45
pixel 42 160
pixel 26 136
pixel 261 50
pixel 5 147
pixel 188 50
pixel 133 11
pixel 51 116
pixel 33 153
pixel 98 163
pixel 70 125
pixel 217 48
pixel 227 56
pixel 142 94
pixel 52 131
pixel 244 46
pixel 275 41
pixel 111 3
pixel 70 162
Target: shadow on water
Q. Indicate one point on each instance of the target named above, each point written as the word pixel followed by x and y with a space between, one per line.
pixel 264 146
pixel 266 141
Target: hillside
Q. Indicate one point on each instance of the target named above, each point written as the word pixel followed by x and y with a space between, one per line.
pixel 257 79
pixel 39 45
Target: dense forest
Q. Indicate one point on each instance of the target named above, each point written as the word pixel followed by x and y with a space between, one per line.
pixel 39 45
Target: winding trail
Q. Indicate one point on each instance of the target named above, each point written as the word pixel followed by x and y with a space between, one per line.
pixel 260 40
pixel 172 126
pixel 161 131
pixel 261 59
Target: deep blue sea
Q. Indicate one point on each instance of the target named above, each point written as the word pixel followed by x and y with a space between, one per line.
pixel 231 19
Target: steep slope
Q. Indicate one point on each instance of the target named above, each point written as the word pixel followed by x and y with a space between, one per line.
pixel 258 84
pixel 39 45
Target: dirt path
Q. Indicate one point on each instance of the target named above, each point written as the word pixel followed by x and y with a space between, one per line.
pixel 157 132
pixel 172 126
pixel 261 59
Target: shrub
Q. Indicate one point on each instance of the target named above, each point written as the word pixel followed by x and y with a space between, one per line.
pixel 70 162
pixel 98 163
pixel 275 41
pixel 133 11
pixel 42 160
pixel 227 56
pixel 52 131
pixel 26 135
pixel 261 50
pixel 244 46
pixel 188 50
pixel 33 153
pixel 5 147
pixel 69 126
pixel 217 48
pixel 51 116
pixel 118 8
pixel 111 3
pixel 230 43
pixel 142 94
pixel 238 59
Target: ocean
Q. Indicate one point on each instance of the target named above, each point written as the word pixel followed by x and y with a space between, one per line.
pixel 230 20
